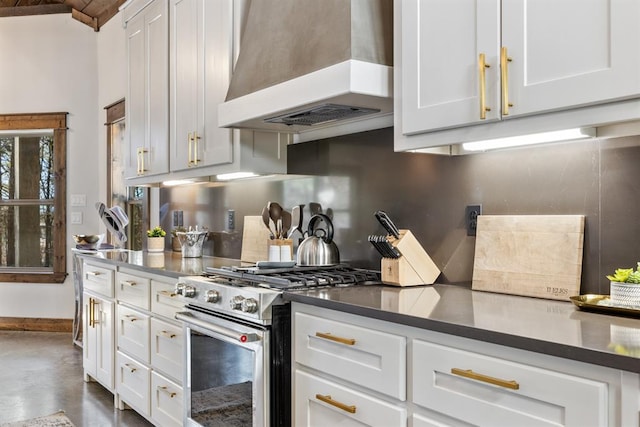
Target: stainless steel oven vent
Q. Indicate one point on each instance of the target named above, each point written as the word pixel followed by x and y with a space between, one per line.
pixel 321 114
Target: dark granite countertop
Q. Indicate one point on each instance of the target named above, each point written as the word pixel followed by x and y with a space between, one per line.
pixel 168 263
pixel 551 327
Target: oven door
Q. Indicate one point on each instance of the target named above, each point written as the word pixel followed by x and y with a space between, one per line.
pixel 226 371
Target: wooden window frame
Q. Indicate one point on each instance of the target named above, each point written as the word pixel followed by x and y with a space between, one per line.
pixel 58 123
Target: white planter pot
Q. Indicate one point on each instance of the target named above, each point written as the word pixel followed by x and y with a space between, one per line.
pixel 626 294
pixel 155 244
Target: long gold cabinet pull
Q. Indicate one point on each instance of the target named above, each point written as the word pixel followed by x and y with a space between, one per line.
pixel 327 399
pixel 193 149
pixel 468 373
pixel 504 79
pixel 92 321
pixel 328 336
pixel 140 160
pixel 482 67
pixel 166 390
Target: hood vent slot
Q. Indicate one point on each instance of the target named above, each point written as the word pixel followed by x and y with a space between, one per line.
pixel 321 114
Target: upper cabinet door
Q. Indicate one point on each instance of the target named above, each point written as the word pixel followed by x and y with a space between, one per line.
pixel 148 91
pixel 201 53
pixel 570 53
pixel 443 81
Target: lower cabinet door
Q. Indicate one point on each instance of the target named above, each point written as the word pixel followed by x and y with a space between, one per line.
pixel 132 383
pixel 490 391
pixel 320 402
pixel 166 401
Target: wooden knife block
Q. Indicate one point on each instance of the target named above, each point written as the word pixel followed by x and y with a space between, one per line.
pixel 413 267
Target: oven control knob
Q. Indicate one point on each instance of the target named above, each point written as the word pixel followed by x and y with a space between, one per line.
pixel 212 296
pixel 189 291
pixel 236 302
pixel 249 305
pixel 180 288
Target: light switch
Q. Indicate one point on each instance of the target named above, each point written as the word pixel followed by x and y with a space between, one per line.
pixel 78 200
pixel 76 217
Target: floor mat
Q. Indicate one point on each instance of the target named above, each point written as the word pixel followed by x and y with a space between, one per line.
pixel 59 419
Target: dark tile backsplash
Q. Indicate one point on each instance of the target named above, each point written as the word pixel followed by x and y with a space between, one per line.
pixel 356 175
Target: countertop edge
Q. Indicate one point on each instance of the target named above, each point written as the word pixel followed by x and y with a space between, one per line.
pixel 564 351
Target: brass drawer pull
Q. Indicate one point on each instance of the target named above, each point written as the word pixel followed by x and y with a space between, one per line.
pixel 129 283
pixel 131 317
pixel 468 373
pixel 504 80
pixel 167 334
pixel 93 273
pixel 167 294
pixel 328 336
pixel 131 368
pixel 164 388
pixel 327 399
pixel 482 67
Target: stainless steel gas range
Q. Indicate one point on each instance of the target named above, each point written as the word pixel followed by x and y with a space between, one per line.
pixel 237 332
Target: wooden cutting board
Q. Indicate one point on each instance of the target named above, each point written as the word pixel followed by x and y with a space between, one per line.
pixel 255 240
pixel 530 255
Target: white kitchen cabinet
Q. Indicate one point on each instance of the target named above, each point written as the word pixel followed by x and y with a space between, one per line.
pixel 323 402
pixel 133 382
pixel 166 401
pixel 98 324
pixel 540 57
pixel 98 340
pixel 167 348
pixel 134 328
pixel 147 100
pixel 201 43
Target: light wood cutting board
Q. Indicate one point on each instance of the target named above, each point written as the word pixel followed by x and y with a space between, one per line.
pixel 530 255
pixel 255 240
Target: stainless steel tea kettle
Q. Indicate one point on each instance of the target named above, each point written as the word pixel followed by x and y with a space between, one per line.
pixel 318 249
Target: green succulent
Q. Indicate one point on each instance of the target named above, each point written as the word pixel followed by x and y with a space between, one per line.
pixel 156 232
pixel 626 275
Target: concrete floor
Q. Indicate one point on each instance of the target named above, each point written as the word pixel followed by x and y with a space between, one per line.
pixel 41 373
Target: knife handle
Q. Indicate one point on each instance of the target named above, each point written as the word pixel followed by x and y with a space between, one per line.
pixel 388 225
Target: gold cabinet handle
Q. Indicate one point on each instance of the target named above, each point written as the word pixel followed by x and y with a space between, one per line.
pixel 167 294
pixel 167 334
pixel 92 308
pixel 504 74
pixel 165 389
pixel 195 149
pixel 129 283
pixel 482 67
pixel 131 317
pixel 190 149
pixel 468 373
pixel 328 336
pixel 93 273
pixel 131 368
pixel 140 159
pixel 327 399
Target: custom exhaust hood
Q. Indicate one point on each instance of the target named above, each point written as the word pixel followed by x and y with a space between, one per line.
pixel 310 67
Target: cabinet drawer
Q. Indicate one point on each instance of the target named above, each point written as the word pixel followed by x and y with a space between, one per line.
pixel 98 279
pixel 132 383
pixel 370 358
pixel 132 289
pixel 167 348
pixel 166 401
pixel 133 332
pixel 495 392
pixel 319 402
pixel 164 300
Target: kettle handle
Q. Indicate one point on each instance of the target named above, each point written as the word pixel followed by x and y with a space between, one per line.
pixel 328 238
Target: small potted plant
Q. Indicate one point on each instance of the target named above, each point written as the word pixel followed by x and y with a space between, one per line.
pixel 625 286
pixel 155 239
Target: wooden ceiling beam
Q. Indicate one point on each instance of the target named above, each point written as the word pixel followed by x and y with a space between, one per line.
pixel 85 19
pixel 43 9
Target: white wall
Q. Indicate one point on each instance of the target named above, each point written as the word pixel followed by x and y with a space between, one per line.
pixel 51 63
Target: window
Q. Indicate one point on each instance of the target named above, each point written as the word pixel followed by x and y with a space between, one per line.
pixel 33 198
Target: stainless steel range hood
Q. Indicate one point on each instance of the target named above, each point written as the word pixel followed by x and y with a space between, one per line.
pixel 317 67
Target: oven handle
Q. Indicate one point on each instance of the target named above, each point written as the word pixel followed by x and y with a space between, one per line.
pixel 187 317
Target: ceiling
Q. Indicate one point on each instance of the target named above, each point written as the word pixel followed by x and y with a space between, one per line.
pixel 94 13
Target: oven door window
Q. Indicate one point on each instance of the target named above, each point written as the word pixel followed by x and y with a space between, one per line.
pixel 222 377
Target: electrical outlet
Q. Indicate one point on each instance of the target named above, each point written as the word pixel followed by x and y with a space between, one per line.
pixel 471 214
pixel 231 220
pixel 178 219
